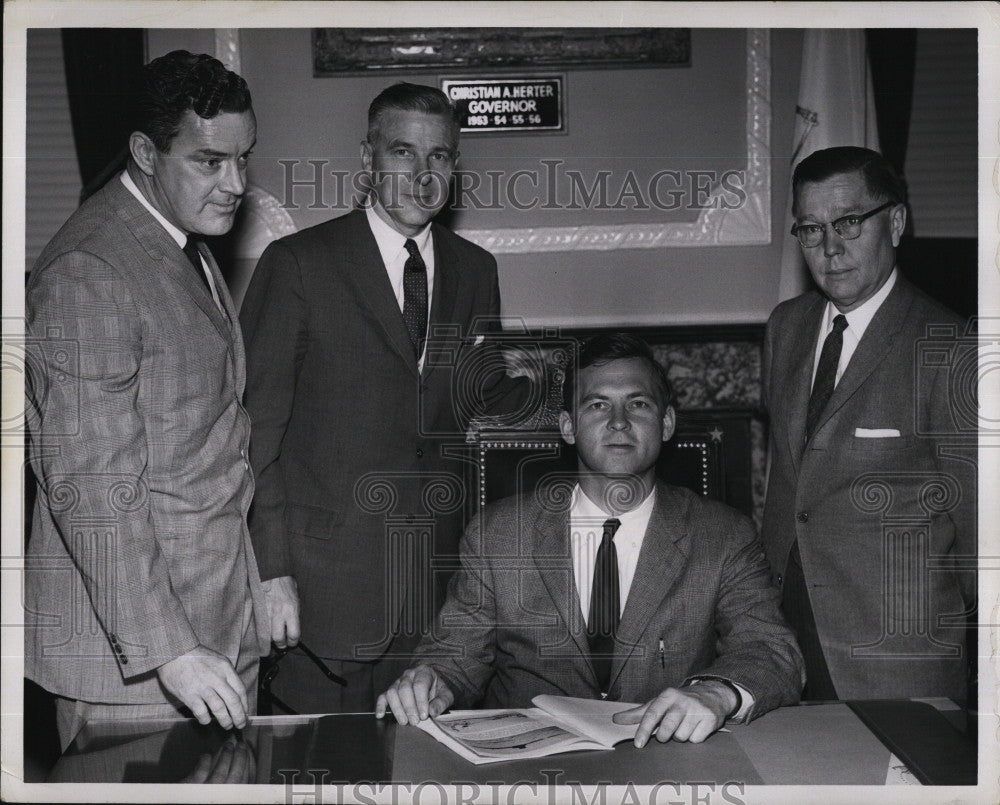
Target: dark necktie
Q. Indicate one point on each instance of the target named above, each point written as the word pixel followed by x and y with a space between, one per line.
pixel 415 297
pixel 826 373
pixel 191 250
pixel 604 605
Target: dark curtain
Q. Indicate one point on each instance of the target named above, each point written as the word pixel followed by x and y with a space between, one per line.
pixel 102 71
pixel 892 54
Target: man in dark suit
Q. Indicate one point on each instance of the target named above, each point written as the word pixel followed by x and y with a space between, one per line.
pixel 871 495
pixel 367 355
pixel 141 590
pixel 615 585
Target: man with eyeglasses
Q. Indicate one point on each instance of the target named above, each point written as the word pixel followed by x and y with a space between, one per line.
pixel 869 521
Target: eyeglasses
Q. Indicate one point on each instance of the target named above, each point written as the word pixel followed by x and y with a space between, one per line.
pixel 848 227
pixel 270 667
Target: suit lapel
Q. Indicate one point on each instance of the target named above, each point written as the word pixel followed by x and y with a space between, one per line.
pixel 443 295
pixel 873 347
pixel 554 559
pixel 163 249
pixel 203 297
pixel 801 360
pixel 367 273
pixel 660 559
pixel 233 330
pixel 230 314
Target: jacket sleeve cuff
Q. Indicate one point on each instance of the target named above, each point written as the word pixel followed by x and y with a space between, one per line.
pixel 744 699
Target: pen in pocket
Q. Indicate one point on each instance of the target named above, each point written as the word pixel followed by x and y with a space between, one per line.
pixel 663 662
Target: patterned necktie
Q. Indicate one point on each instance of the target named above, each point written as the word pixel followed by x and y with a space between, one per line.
pixel 415 297
pixel 604 605
pixel 194 255
pixel 826 374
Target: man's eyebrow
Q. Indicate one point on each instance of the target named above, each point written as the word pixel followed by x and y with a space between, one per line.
pixel 399 143
pixel 213 153
pixel 210 152
pixel 847 212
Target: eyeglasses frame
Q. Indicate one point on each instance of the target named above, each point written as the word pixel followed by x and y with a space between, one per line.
pixel 270 668
pixel 862 217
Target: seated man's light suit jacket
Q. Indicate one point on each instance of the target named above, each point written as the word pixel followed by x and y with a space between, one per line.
pixel 512 627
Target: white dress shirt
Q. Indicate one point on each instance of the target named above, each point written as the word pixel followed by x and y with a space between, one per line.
pixel 179 236
pixel 586 530
pixel 391 245
pixel 857 322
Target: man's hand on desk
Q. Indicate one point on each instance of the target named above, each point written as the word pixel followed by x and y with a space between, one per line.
pixel 283 604
pixel 208 685
pixel 688 714
pixel 418 694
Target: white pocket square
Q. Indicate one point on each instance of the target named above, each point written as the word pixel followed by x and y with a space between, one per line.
pixel 479 340
pixel 876 433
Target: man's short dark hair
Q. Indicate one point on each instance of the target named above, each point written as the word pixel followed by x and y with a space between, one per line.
pixel 172 84
pixel 608 347
pixel 404 97
pixel 881 179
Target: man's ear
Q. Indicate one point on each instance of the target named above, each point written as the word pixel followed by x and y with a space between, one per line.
pixel 669 423
pixel 898 223
pixel 566 427
pixel 366 155
pixel 143 152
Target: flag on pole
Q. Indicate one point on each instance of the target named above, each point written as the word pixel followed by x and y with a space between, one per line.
pixel 836 106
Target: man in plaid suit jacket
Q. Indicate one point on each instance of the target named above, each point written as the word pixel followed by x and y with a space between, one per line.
pixel 699 637
pixel 142 595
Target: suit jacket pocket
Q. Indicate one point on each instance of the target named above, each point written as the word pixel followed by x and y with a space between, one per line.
pixel 312 521
pixel 883 444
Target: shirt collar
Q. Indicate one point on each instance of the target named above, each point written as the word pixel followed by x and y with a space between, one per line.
pixel 179 235
pixel 582 507
pixel 859 318
pixel 390 242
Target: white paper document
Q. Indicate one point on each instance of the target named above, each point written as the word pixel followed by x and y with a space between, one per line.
pixel 556 724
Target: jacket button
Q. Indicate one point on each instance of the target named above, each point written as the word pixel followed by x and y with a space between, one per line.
pixel 420 452
pixel 780 579
pixel 124 660
pixel 802 517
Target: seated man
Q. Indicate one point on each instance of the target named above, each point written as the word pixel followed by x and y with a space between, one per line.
pixel 627 588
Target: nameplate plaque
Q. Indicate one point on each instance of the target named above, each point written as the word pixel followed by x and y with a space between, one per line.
pixel 507 104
